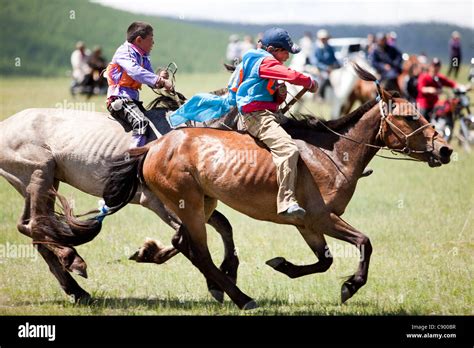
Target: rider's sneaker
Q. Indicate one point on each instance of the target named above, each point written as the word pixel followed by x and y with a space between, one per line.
pixel 295 211
pixel 367 171
pixel 137 140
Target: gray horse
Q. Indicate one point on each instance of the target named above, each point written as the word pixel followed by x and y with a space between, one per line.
pixel 42 147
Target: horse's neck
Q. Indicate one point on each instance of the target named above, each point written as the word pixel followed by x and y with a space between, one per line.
pixel 356 157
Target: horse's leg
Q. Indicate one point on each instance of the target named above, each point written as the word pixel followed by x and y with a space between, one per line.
pixel 153 251
pixel 230 263
pixel 67 282
pixel 316 241
pixel 343 231
pixel 192 239
pixel 42 219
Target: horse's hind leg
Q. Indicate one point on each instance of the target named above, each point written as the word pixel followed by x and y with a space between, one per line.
pixel 318 245
pixel 59 258
pixel 67 282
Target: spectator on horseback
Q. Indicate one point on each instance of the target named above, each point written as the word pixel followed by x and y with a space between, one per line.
pixel 129 69
pixel 258 96
pixel 324 59
pixel 387 60
pixel 429 86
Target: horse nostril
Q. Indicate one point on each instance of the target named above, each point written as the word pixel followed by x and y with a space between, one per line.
pixel 445 152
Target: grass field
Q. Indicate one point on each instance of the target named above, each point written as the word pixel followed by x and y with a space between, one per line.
pixel 420 221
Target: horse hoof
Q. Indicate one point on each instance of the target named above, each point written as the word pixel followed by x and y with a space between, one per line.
pixel 345 293
pixel 83 298
pixel 367 172
pixel 250 305
pixel 134 257
pixel 276 262
pixel 218 295
pixel 79 270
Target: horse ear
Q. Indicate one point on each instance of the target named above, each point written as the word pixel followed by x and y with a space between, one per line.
pixel 385 95
pixel 395 94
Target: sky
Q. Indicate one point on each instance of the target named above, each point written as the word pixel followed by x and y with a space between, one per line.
pixel 315 12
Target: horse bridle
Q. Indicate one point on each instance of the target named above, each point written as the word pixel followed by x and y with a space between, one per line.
pixel 407 150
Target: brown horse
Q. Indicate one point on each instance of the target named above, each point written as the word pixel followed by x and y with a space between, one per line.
pixel 363 92
pixel 191 169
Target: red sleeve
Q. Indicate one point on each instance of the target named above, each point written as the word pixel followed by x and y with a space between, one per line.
pixel 422 81
pixel 446 82
pixel 270 68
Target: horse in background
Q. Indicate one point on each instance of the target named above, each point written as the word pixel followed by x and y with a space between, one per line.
pixel 342 93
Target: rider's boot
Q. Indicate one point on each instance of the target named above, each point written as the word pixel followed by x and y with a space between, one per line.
pixel 295 211
pixel 138 140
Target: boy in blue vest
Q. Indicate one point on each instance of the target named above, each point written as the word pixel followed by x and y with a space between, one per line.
pixel 258 97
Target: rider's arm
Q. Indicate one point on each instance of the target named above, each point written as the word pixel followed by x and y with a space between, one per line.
pixel 446 82
pixel 270 68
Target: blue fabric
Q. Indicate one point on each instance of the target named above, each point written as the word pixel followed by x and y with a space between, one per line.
pixel 325 57
pixel 205 106
pixel 202 107
pixel 253 87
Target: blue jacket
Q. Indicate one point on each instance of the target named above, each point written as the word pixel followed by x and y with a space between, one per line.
pixel 252 87
pixel 387 55
pixel 325 57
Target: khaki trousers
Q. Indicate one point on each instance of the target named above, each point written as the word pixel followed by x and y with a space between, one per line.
pixel 265 126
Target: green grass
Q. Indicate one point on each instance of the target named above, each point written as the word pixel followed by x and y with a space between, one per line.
pixel 420 222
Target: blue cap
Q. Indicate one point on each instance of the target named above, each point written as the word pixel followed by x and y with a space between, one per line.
pixel 279 38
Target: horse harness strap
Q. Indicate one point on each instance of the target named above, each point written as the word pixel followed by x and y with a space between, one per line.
pixel 399 133
pixel 406 150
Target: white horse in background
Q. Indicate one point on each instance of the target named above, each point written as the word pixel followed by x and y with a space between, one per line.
pixel 343 81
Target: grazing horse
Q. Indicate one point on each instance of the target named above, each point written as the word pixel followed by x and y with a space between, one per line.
pixel 190 169
pixel 39 148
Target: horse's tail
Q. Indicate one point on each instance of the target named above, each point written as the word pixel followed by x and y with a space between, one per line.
pixel 122 182
pixel 123 179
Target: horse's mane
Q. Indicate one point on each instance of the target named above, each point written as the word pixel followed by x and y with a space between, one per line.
pixel 309 122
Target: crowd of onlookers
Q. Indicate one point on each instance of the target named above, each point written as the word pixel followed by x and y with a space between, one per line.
pixel 421 81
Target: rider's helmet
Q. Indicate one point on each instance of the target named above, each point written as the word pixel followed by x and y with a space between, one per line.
pixel 279 38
